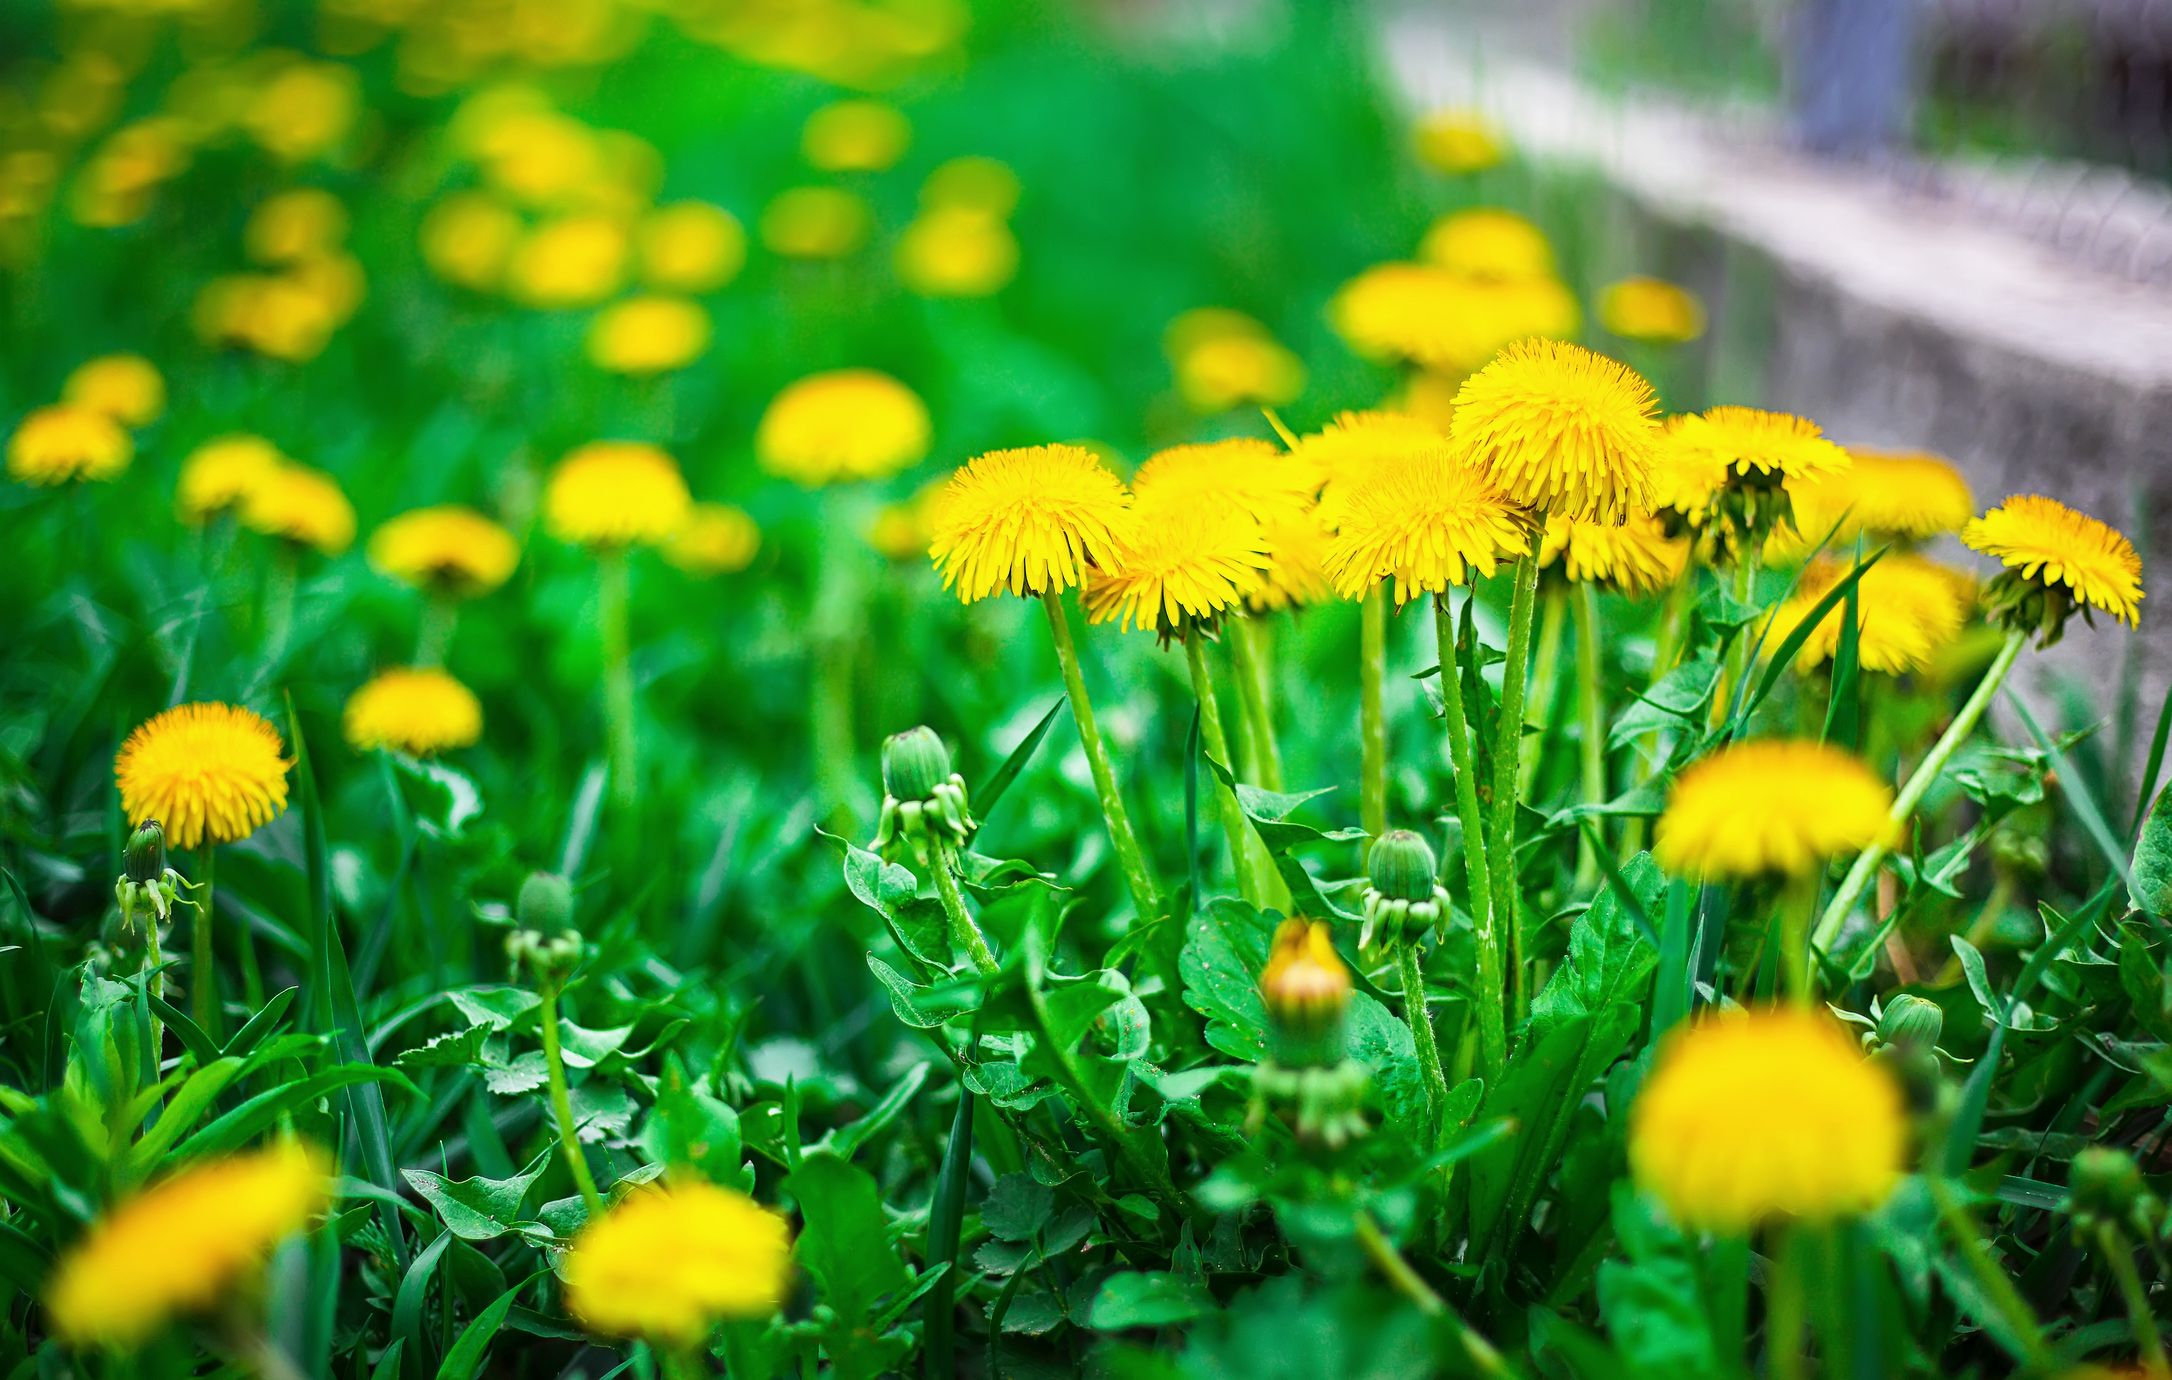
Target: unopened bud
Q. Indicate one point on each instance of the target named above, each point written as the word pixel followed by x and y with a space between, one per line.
pixel 1306 990
pixel 923 800
pixel 914 763
pixel 1404 899
pixel 2106 1185
pixel 546 903
pixel 147 853
pixel 1911 1023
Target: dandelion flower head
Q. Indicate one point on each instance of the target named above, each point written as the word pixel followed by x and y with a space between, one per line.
pixel 841 426
pixel 1488 242
pixel 1186 563
pixel 648 335
pixel 855 136
pixel 66 441
pixel 2052 546
pixel 1459 141
pixel 211 773
pixel 616 493
pixel 1651 309
pixel 126 388
pixel 1757 444
pixel 1423 519
pixel 1258 478
pixel 417 710
pixel 1560 430
pixel 1770 807
pixel 1028 521
pixel 690 247
pixel 716 539
pixel 219 475
pixel 667 1263
pixel 1637 557
pixel 449 549
pixel 1908 610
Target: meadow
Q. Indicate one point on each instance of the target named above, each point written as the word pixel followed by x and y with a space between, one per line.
pixel 870 687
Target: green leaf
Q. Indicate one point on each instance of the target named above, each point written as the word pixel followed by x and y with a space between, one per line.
pixel 1790 646
pixel 1142 1299
pixel 1225 947
pixel 689 1127
pixel 253 1117
pixel 465 1360
pixel 1017 1207
pixel 495 1007
pixel 478 1209
pixel 2149 887
pixel 924 1008
pixel 847 1140
pixel 846 1243
pixel 983 800
pixel 1609 958
pixel 452 1050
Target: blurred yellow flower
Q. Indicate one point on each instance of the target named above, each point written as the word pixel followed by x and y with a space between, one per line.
pixel 420 711
pixel 1459 141
pixel 972 183
pixel 539 158
pixel 1770 807
pixel 668 1262
pixel 334 278
pixel 1488 242
pixel 303 506
pixel 271 314
pixel 716 539
pixel 616 493
pixel 815 223
pixel 1560 430
pixel 126 388
pixel 856 136
pixel 300 223
pixel 1687 474
pixel 1423 519
pixel 1651 309
pixel 1353 442
pixel 1908 610
pixel 1029 521
pixel 116 183
pixel 1236 368
pixel 1751 1116
pixel 1426 315
pixel 840 426
pixel 1256 478
pixel 207 772
pixel 1637 557
pixel 2058 549
pixel 1185 564
pixel 468 239
pixel 954 251
pixel 574 261
pixel 219 475
pixel 1297 563
pixel 448 550
pixel 1881 495
pixel 902 531
pixel 65 442
pixel 1305 985
pixel 648 335
pixel 690 247
pixel 184 1244
pixel 303 110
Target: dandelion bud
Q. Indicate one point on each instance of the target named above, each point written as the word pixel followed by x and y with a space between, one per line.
pixel 147 883
pixel 147 853
pixel 914 763
pixel 1306 989
pixel 1911 1024
pixel 546 903
pixel 2107 1188
pixel 548 959
pixel 1404 899
pixel 923 800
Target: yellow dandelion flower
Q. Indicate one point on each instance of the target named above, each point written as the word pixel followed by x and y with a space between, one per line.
pixel 468 238
pixel 418 710
pixel 1305 984
pixel 1234 370
pixel 1028 521
pixel 1651 309
pixel 2058 549
pixel 65 442
pixel 840 426
pixel 1424 519
pixel 614 493
pixel 303 506
pixel 449 550
pixel 690 247
pixel 902 531
pixel 1429 316
pixel 1488 243
pixel 272 314
pixel 297 224
pixel 1770 807
pixel 539 157
pixel 717 539
pixel 219 475
pixel 1256 478
pixel 305 109
pixel 973 182
pixel 1686 474
pixel 1561 430
pixel 209 772
pixel 574 261
pixel 1459 141
pixel 1353 442
pixel 1751 1116
pixel 1756 443
pixel 643 336
pixel 956 251
pixel 1908 610
pixel 1185 564
pixel 668 1262
pixel 336 280
pixel 1637 557
pixel 815 223
pixel 855 136
pixel 1881 495
pixel 183 1244
pixel 1297 563
pixel 126 388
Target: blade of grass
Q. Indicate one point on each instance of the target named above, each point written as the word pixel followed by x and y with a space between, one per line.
pixel 984 799
pixel 2153 766
pixel 1784 655
pixel 946 1219
pixel 1844 707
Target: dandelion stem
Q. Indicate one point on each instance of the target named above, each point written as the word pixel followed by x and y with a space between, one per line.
pixel 1419 1018
pixel 1786 1304
pixel 2119 1256
pixel 1911 794
pixel 554 1062
pixel 1242 860
pixel 1372 719
pixel 1998 1287
pixel 1471 824
pixel 1738 652
pixel 618 686
pixel 1539 703
pixel 1798 907
pixel 154 964
pixel 963 932
pixel 1128 857
pixel 1507 747
pixel 1591 739
pixel 1411 1285
pixel 203 982
pixel 1255 692
pixel 434 630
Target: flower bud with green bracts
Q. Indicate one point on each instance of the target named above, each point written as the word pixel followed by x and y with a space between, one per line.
pixel 1403 900
pixel 147 884
pixel 923 800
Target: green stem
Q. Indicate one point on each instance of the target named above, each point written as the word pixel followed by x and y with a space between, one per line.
pixel 155 983
pixel 963 932
pixel 1798 906
pixel 1964 723
pixel 2120 1257
pixel 1997 1285
pixel 1666 646
pixel 1419 1018
pixel 434 630
pixel 1738 651
pixel 1128 857
pixel 1591 711
pixel 1471 824
pixel 618 686
pixel 1255 692
pixel 1412 1286
pixel 1507 748
pixel 1786 1308
pixel 1242 858
pixel 681 1363
pixel 554 1063
pixel 203 976
pixel 1539 705
pixel 1372 713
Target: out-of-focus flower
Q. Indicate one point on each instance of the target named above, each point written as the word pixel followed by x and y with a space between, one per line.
pixel 616 493
pixel 298 504
pixel 219 475
pixel 1029 521
pixel 126 388
pixel 972 183
pixel 272 314
pixel 953 251
pixel 1348 447
pixel 690 247
pixel 856 136
pixel 1224 359
pixel 1882 496
pixel 1651 309
pixel 1423 520
pixel 669 1262
pixel 716 539
pixel 902 531
pixel 1773 807
pixel 840 426
pixel 207 772
pixel 539 158
pixel 1908 610
pixel 1560 430
pixel 1637 557
pixel 334 278
pixel 421 711
pixel 66 442
pixel 116 183
pixel 574 261
pixel 1488 242
pixel 1427 315
pixel 289 226
pixel 1256 478
pixel 815 223
pixel 448 550
pixel 648 335
pixel 1459 141
pixel 468 238
pixel 1185 565
pixel 303 110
